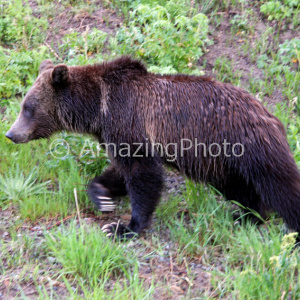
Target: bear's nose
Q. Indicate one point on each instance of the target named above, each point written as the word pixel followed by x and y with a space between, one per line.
pixel 9 135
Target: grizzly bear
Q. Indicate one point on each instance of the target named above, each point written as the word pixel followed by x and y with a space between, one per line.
pixel 212 132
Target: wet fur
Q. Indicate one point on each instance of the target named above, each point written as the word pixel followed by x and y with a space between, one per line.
pixel 120 102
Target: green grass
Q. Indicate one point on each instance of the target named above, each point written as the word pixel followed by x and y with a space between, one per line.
pixel 224 71
pixel 24 182
pixel 244 261
pixel 269 271
pixel 87 253
pixel 257 262
pixel 15 186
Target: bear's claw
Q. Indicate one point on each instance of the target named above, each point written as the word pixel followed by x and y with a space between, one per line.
pixel 105 205
pixel 100 196
pixel 116 229
pixel 103 198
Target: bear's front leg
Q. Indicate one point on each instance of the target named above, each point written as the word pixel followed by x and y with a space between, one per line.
pixel 103 189
pixel 144 183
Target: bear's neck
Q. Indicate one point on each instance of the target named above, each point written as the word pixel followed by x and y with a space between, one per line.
pixel 80 110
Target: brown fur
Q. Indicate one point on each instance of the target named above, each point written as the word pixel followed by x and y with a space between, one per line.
pixel 120 102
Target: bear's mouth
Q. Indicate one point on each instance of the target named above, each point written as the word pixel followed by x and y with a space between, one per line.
pixel 17 138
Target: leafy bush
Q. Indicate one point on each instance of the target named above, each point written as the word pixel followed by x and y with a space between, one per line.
pixel 291 122
pixel 87 42
pixel 18 70
pixel 278 10
pixel 283 67
pixel 165 36
pixel 289 51
pixel 85 151
pixel 288 54
pixel 20 31
pixel 18 25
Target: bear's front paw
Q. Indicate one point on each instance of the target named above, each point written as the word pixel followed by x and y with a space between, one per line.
pixel 118 230
pixel 100 196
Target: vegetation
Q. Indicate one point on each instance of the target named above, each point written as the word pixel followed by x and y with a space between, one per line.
pixel 50 239
pixel 169 36
pixel 279 10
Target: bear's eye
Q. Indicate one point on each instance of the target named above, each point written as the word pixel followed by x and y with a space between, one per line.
pixel 27 111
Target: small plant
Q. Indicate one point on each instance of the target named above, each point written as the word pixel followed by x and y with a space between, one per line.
pixel 85 151
pixel 224 71
pixel 199 223
pixel 18 70
pixel 15 186
pixel 240 22
pixel 282 68
pixel 291 121
pixel 20 31
pixel 289 52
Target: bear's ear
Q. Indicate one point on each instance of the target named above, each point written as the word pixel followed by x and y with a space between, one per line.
pixel 45 65
pixel 60 74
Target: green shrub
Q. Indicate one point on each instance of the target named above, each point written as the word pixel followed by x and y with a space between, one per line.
pixel 20 32
pixel 18 25
pixel 18 70
pixel 75 43
pixel 165 36
pixel 289 51
pixel 278 10
pixel 271 277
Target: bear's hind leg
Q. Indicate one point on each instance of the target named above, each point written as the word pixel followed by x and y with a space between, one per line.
pixel 103 189
pixel 238 189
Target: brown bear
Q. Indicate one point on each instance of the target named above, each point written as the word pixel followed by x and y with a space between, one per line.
pixel 212 132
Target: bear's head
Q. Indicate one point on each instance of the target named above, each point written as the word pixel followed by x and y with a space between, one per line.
pixel 39 109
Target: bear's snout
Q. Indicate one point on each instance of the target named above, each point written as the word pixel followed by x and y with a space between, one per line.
pixel 9 135
pixel 16 138
pixel 13 137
